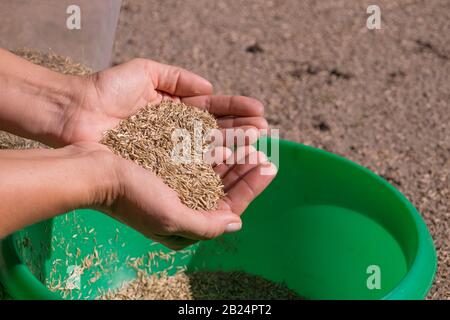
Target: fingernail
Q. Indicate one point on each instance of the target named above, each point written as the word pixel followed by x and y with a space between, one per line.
pixel 228 153
pixel 205 83
pixel 251 149
pixel 233 227
pixel 269 169
pixel 263 133
pixel 253 133
pixel 262 157
pixel 208 83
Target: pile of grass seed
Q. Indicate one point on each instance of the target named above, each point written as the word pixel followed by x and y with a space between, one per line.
pixel 201 286
pixel 146 139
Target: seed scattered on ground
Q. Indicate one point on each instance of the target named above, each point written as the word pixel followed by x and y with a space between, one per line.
pixel 146 139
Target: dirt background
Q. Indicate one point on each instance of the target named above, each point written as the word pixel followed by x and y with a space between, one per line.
pixel 378 97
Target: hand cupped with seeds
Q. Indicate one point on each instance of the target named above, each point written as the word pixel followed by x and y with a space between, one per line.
pixel 112 95
pixel 75 111
pixel 141 198
pixel 143 201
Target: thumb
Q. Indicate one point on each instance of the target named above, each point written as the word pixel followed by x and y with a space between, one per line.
pixel 203 225
pixel 177 81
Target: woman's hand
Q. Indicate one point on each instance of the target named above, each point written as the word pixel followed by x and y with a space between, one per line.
pixel 39 184
pixel 144 202
pixel 114 94
pixel 64 110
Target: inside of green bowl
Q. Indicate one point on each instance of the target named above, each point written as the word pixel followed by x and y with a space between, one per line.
pixel 324 227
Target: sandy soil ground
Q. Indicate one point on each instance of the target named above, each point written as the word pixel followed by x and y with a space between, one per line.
pixel 380 98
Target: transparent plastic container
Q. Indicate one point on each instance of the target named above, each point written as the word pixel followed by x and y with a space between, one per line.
pixel 81 29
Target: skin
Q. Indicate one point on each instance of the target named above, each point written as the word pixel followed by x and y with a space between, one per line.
pixel 71 113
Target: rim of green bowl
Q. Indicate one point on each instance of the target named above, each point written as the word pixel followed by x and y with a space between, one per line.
pixel 16 276
pixel 419 278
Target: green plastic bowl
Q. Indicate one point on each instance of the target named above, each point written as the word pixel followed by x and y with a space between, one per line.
pixel 326 227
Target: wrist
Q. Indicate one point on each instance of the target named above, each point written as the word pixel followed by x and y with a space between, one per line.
pixel 55 181
pixel 101 176
pixel 35 101
pixel 65 100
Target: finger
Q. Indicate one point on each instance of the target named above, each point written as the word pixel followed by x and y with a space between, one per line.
pixel 249 187
pixel 217 155
pixel 236 137
pixel 221 169
pixel 237 156
pixel 227 105
pixel 177 81
pixel 251 161
pixel 229 122
pixel 161 96
pixel 166 96
pixel 202 225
